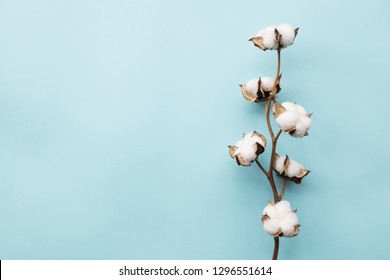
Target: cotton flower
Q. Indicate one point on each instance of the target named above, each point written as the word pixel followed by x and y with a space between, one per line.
pixel 275 37
pixel 266 39
pixel 292 118
pixel 289 169
pixel 258 90
pixel 287 34
pixel 247 150
pixel 279 220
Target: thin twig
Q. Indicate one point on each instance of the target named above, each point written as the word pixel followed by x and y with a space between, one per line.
pixel 273 187
pixel 267 110
pixel 283 189
pixel 277 135
pixel 277 75
pixel 273 152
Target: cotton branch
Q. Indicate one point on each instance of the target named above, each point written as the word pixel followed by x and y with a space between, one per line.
pixel 278 218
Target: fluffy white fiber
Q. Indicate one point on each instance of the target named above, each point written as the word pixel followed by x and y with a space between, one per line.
pixel 290 106
pixel 294 118
pixel 267 83
pixel 281 219
pixel 300 110
pixel 288 34
pixel 271 226
pixel 287 120
pixel 248 152
pixel 269 37
pixel 306 121
pixel 253 86
pixel 300 129
pixel 279 164
pixel 250 138
pixel 246 148
pixel 293 169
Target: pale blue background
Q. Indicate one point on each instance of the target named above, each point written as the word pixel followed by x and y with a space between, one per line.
pixel 115 118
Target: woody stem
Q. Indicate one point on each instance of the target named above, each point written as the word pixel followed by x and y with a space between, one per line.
pixel 269 173
pixel 271 132
pixel 274 141
pixel 276 248
pixel 282 191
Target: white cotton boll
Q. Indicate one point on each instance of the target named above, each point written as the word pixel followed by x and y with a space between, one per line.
pixel 280 219
pixel 279 164
pixel 248 152
pixel 293 169
pixel 246 147
pixel 306 122
pixel 269 37
pixel 270 210
pixel 238 145
pixel 293 218
pixel 267 83
pixel 253 86
pixel 287 228
pixel 290 106
pixel 288 224
pixel 300 110
pixel 295 117
pixel 257 139
pixel 283 208
pixel 287 120
pixel 300 130
pixel 252 139
pixel 271 226
pixel 288 34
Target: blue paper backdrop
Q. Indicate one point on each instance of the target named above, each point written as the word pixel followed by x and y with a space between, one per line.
pixel 115 118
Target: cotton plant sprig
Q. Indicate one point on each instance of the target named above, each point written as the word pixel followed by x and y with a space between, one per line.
pixel 278 219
